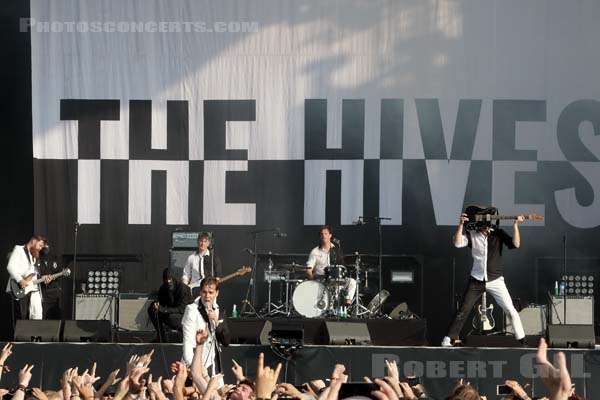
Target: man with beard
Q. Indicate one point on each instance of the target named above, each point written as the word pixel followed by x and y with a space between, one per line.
pixel 21 269
pixel 168 311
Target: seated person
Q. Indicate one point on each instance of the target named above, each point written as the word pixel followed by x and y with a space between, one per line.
pixel 327 254
pixel 173 297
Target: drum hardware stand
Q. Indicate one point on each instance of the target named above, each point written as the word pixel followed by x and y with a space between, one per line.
pixel 251 291
pixel 359 309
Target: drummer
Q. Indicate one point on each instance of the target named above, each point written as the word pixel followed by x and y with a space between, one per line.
pixel 325 255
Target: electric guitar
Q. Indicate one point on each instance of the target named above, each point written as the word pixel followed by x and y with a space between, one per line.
pixel 20 292
pixel 242 271
pixel 481 216
pixel 484 322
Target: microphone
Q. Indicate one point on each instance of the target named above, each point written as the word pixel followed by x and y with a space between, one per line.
pixel 249 251
pixel 208 307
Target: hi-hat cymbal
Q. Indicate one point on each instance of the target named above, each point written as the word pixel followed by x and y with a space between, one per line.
pixel 291 266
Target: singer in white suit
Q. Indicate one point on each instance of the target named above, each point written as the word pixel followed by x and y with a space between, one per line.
pixel 202 312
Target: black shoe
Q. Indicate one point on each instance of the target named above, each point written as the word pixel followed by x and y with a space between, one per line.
pixel 523 342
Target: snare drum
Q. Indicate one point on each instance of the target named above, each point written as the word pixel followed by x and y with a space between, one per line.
pixel 311 299
pixel 335 274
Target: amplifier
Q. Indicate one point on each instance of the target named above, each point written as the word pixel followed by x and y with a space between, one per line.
pixel 95 307
pixel 185 240
pixel 580 310
pixel 133 311
pixel 533 319
pixel 178 260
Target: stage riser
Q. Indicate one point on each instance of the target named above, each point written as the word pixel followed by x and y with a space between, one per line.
pixel 484 368
pixel 383 332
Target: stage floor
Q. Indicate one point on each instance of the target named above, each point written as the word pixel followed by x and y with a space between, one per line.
pixel 439 367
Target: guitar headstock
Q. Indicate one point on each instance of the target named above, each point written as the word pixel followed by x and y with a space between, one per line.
pixel 243 271
pixel 535 217
pixel 66 272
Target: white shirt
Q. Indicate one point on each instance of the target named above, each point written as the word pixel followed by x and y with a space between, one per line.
pixel 20 266
pixel 479 251
pixel 191 323
pixel 194 269
pixel 318 259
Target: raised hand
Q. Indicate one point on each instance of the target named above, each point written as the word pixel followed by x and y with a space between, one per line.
pixel 25 375
pixel 392 369
pixel 202 336
pixel 6 352
pixel 288 390
pixel 38 394
pixel 556 380
pixel 238 371
pixel 385 392
pixel 266 378
pixel 146 358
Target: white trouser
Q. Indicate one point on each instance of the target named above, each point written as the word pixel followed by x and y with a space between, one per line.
pixel 349 288
pixel 497 288
pixel 35 306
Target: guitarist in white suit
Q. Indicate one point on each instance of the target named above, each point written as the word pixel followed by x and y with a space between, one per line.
pixel 21 269
pixel 486 245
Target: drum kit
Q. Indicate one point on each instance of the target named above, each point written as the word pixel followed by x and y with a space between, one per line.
pixel 321 297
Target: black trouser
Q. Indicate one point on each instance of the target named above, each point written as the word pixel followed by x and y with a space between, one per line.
pixel 163 320
pixel 474 291
pixel 21 307
pixel 51 305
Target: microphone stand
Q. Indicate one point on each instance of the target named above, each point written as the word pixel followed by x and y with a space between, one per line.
pixel 564 279
pixel 74 271
pixel 380 256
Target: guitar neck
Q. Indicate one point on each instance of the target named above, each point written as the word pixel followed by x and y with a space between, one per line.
pixel 228 277
pixel 39 280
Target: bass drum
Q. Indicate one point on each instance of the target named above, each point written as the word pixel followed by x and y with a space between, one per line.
pixel 311 299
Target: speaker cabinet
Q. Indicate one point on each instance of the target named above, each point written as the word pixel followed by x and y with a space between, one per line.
pixel 95 307
pixel 580 310
pixel 31 330
pixel 87 331
pixel 178 259
pixel 133 311
pixel 571 336
pixel 533 319
pixel 347 333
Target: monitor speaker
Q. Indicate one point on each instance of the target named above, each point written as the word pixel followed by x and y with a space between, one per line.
pixel 87 331
pixel 347 333
pixel 31 330
pixel 571 336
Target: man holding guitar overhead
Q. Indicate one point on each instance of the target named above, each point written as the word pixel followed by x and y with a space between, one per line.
pixel 22 272
pixel 486 243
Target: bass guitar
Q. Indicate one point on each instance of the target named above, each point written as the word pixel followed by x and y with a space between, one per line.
pixel 20 292
pixel 482 216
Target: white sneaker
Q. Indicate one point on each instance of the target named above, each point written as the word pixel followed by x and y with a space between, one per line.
pixel 447 342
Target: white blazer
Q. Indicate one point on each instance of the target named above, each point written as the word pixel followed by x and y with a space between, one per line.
pixel 191 323
pixel 19 266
